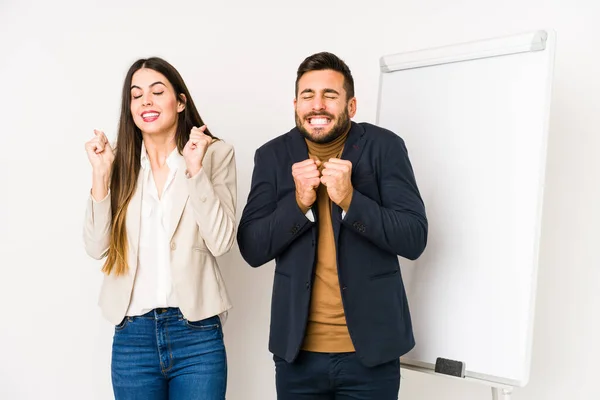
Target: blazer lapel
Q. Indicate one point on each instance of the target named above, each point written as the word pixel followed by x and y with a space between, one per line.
pixel 298 150
pixel 180 198
pixel 296 146
pixel 134 214
pixel 353 149
pixel 354 144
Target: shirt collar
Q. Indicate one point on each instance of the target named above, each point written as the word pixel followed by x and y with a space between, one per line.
pixel 174 160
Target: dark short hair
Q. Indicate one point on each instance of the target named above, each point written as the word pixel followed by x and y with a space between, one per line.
pixel 325 60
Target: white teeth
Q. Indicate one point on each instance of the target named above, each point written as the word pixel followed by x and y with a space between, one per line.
pixel 318 121
pixel 149 115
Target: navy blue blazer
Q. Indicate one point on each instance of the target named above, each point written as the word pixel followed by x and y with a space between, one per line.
pixel 386 218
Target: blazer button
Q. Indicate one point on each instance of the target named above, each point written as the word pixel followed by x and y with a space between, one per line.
pixel 173 246
pixel 307 285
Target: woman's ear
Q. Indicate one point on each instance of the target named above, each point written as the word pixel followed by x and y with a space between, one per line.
pixel 181 103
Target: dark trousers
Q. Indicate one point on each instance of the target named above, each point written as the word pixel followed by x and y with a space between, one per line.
pixel 335 376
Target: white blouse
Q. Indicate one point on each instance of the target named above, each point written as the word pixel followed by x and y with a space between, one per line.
pixel 152 287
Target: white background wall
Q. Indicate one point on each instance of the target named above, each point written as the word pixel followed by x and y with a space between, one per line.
pixel 62 64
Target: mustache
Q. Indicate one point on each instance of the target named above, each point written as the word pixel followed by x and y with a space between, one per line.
pixel 319 114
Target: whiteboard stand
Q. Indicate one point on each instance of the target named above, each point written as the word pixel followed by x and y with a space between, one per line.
pixel 501 393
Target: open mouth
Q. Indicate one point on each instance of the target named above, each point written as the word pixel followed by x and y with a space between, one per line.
pixel 319 122
pixel 150 116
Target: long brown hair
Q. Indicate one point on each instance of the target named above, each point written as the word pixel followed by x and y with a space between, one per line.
pixel 126 166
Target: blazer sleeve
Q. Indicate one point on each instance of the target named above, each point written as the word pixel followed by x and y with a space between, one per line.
pixel 96 227
pixel 399 224
pixel 213 197
pixel 269 224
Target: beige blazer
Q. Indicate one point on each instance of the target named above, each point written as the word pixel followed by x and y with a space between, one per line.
pixel 202 227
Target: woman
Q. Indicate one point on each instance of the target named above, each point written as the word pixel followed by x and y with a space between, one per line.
pixel 162 207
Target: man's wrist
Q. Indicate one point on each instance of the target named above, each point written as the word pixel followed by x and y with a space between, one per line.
pixel 345 203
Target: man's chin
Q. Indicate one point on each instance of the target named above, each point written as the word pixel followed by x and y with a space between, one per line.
pixel 317 135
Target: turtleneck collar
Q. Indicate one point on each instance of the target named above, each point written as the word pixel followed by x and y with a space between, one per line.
pixel 325 151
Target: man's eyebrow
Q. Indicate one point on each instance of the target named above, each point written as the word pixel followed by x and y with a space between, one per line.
pixel 328 90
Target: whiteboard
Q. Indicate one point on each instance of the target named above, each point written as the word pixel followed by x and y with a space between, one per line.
pixel 474 117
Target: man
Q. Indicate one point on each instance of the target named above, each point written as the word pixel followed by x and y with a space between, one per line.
pixel 334 202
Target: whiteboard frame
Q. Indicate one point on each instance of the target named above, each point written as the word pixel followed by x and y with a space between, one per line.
pixel 514 44
pixel 537 40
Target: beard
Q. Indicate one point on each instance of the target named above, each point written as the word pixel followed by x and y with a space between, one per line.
pixel 341 126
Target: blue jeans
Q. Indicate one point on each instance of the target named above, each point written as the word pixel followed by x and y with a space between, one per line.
pixel 161 355
pixel 335 376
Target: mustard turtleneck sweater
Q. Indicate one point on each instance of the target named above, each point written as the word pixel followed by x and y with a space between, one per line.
pixel 326 331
